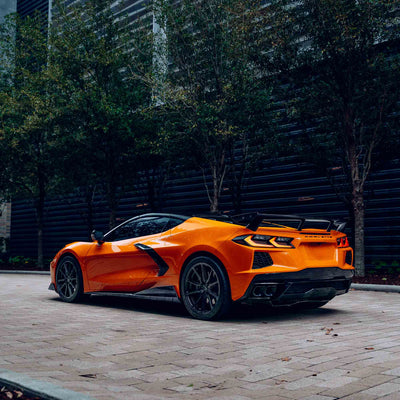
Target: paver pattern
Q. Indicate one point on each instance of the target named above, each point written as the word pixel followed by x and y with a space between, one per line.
pixel 139 349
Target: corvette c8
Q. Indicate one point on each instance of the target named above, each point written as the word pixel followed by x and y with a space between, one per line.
pixel 212 261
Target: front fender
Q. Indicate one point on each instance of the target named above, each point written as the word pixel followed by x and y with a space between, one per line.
pixel 77 250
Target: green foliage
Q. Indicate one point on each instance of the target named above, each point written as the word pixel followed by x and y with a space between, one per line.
pixel 30 102
pixel 102 62
pixel 213 84
pixel 28 111
pixel 340 62
pixel 380 267
pixel 20 262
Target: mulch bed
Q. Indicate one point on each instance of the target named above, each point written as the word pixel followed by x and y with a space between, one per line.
pixel 378 279
pixel 13 394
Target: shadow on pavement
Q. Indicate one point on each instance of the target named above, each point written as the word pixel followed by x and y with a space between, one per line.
pixel 238 313
pixel 259 313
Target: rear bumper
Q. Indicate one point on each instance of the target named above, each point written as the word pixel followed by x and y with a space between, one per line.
pixel 311 284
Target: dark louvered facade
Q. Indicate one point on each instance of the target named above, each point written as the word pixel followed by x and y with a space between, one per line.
pixel 286 186
pixel 29 7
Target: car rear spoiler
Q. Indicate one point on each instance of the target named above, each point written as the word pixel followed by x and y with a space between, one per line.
pixel 254 220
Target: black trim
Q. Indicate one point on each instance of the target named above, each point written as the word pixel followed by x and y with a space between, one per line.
pixel 261 259
pixel 349 257
pixel 215 217
pixel 155 256
pixel 257 218
pixel 52 287
pixel 311 284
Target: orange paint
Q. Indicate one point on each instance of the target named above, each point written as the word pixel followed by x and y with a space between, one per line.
pixel 120 266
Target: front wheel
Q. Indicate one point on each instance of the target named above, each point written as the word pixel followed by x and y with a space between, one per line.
pixel 69 282
pixel 205 289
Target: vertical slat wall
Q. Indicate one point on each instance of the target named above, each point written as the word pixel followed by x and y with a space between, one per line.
pixel 285 186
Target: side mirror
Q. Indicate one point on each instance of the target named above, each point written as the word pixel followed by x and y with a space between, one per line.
pixel 97 237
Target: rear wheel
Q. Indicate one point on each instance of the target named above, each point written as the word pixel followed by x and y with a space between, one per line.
pixel 69 280
pixel 205 289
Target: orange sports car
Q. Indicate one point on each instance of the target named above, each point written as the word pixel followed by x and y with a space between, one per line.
pixel 212 261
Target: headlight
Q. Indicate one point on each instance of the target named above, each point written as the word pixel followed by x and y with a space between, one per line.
pixel 265 241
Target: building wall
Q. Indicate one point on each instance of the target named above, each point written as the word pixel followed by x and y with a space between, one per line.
pixel 282 186
pixel 285 186
pixel 7 7
pixel 28 7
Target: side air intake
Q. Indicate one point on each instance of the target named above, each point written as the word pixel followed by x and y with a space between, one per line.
pixel 261 259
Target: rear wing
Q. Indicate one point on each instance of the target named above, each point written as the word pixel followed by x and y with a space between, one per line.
pixel 254 220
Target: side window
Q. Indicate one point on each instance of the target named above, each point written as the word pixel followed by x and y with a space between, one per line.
pixel 142 227
pixel 125 231
pixel 152 226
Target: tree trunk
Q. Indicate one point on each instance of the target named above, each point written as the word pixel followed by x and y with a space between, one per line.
pixel 39 205
pixel 40 262
pixel 214 200
pixel 112 202
pixel 214 203
pixel 358 212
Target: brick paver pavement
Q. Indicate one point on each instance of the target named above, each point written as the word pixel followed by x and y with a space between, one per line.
pixel 134 349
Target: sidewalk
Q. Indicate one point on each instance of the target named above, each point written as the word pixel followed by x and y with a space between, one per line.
pixel 120 348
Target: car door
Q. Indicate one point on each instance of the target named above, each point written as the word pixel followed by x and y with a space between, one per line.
pixel 117 264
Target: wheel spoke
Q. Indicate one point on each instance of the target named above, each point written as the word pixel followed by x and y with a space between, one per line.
pixel 62 272
pixel 67 270
pixel 198 276
pixel 194 292
pixel 72 288
pixel 203 273
pixel 209 275
pixel 197 301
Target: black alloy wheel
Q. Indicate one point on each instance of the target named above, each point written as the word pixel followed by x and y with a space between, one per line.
pixel 205 289
pixel 69 282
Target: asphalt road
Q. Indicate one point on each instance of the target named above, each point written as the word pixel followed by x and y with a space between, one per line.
pixel 141 349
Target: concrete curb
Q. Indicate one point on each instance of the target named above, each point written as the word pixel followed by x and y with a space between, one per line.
pixel 376 288
pixel 45 390
pixel 11 271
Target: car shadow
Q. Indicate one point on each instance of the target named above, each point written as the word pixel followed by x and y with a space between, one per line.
pixel 151 306
pixel 260 313
pixel 239 312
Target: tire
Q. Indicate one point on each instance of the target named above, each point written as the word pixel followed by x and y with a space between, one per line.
pixel 205 289
pixel 69 282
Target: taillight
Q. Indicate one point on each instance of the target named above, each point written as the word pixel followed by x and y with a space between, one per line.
pixel 265 241
pixel 342 242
